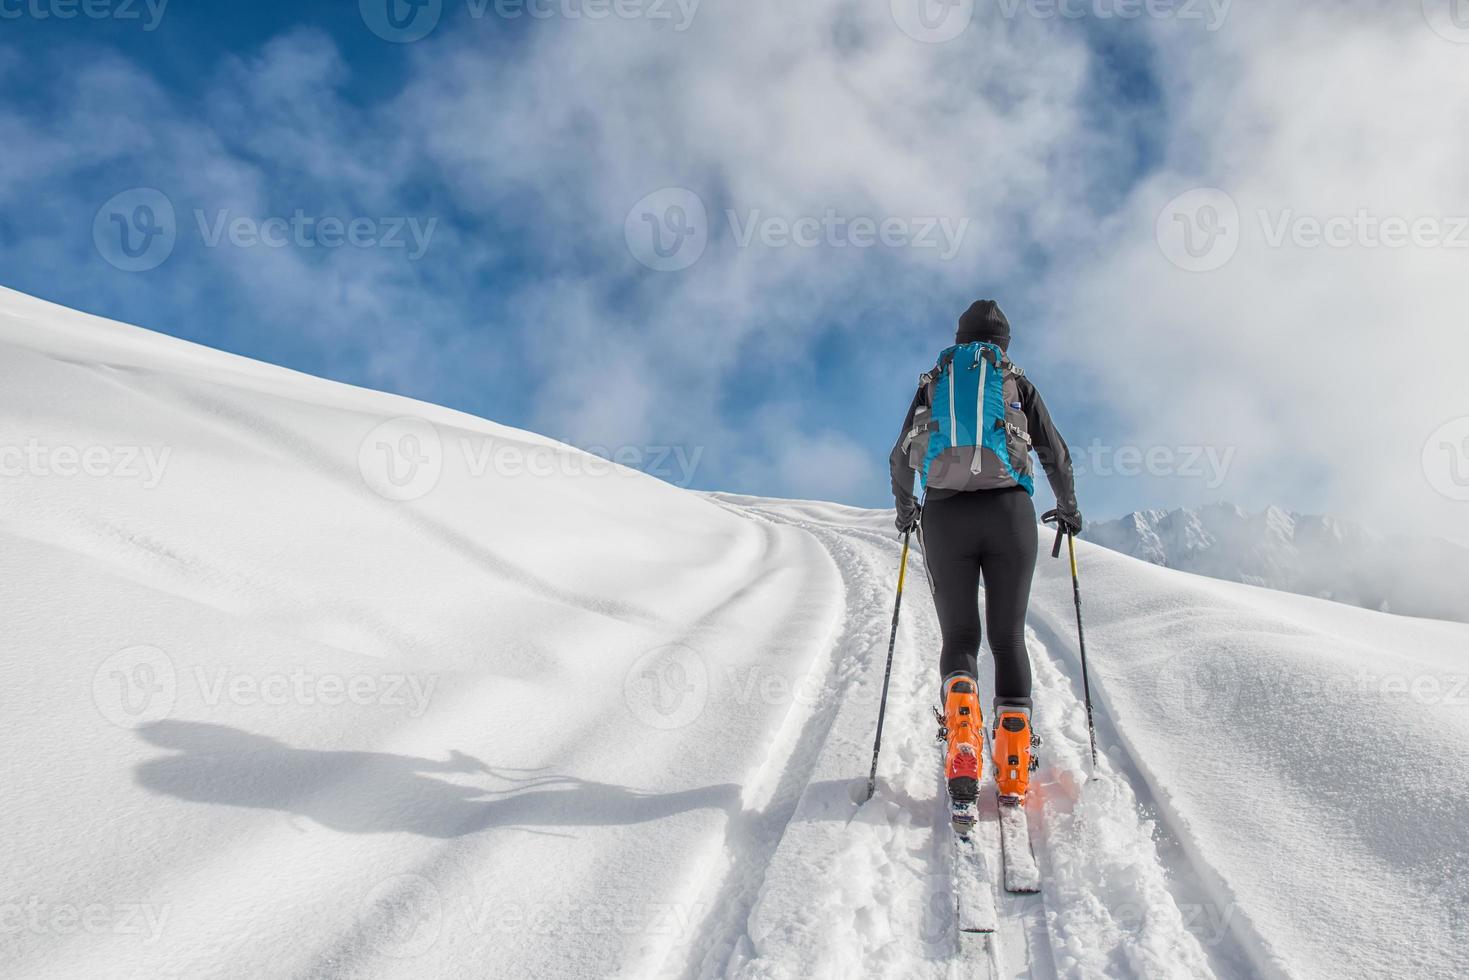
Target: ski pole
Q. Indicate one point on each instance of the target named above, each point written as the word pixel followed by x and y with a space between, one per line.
pixel 888 674
pixel 1086 686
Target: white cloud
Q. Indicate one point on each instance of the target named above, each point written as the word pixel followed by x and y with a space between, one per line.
pixel 1326 367
pixel 789 111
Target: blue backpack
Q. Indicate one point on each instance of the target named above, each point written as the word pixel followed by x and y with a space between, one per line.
pixel 969 431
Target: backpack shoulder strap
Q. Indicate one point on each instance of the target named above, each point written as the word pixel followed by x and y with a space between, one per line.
pixel 932 374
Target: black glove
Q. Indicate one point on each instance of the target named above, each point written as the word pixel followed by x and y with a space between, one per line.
pixel 1066 519
pixel 908 517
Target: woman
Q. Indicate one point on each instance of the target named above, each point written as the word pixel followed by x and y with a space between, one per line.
pixel 968 437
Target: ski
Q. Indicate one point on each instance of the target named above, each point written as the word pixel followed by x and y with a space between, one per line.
pixel 973 893
pixel 1022 874
pixel 974 896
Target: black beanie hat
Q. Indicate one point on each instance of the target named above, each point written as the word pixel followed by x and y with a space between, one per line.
pixel 984 321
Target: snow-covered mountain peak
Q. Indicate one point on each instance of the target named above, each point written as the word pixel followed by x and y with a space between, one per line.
pixel 1310 554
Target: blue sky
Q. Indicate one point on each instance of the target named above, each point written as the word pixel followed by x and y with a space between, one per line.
pixel 1026 158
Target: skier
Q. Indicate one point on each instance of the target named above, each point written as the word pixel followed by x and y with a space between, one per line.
pixel 968 436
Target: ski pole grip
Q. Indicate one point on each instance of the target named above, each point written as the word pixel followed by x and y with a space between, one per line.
pixel 1048 517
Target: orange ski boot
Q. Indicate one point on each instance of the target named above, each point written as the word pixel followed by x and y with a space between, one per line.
pixel 1014 758
pixel 963 731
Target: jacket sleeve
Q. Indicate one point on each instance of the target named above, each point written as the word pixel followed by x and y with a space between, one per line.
pixel 902 473
pixel 1050 448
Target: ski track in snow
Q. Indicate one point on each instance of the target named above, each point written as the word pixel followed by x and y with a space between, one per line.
pixel 845 893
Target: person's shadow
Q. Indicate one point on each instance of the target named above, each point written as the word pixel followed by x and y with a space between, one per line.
pixel 377 792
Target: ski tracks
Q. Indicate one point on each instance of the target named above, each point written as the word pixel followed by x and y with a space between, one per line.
pixel 847 891
pixel 812 885
pixel 1109 907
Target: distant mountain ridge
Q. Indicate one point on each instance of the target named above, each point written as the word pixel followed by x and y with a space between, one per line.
pixel 1307 554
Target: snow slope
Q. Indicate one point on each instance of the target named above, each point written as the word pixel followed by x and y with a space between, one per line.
pixel 304 680
pixel 1310 555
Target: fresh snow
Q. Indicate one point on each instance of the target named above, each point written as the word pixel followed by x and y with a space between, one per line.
pixel 347 685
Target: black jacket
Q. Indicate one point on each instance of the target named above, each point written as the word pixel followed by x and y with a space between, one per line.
pixel 1050 449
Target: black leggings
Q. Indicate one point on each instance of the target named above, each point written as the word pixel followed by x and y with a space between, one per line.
pixel 990 533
